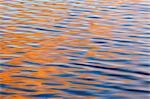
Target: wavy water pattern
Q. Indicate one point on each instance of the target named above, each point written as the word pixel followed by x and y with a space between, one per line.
pixel 74 49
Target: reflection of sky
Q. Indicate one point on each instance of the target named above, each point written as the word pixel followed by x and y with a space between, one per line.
pixel 77 49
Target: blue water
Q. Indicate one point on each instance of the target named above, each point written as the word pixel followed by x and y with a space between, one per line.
pixel 74 49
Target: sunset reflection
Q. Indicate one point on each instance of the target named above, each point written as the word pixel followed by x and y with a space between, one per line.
pixel 74 49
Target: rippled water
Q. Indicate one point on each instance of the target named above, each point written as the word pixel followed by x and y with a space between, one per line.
pixel 74 49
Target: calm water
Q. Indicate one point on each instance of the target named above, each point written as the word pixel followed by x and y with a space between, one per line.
pixel 74 49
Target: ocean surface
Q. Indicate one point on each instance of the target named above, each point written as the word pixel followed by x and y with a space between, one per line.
pixel 74 49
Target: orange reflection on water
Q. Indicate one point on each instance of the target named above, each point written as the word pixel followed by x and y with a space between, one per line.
pixel 30 53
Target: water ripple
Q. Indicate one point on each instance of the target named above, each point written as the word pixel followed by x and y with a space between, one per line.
pixel 74 49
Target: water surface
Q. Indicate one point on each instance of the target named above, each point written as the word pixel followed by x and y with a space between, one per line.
pixel 74 49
